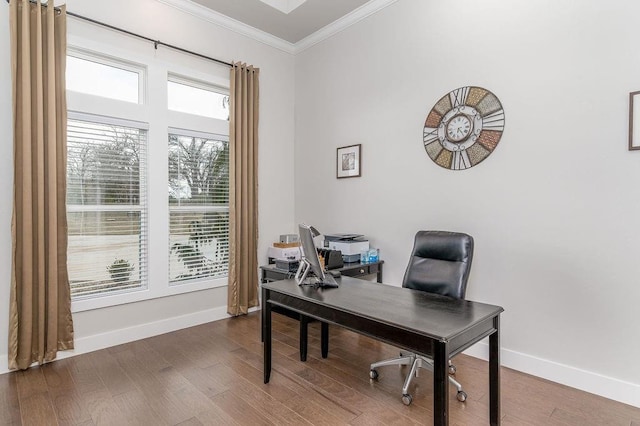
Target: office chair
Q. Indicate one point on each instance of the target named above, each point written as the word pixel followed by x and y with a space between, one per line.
pixel 440 263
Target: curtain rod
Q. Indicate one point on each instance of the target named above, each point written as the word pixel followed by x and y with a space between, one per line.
pixel 156 43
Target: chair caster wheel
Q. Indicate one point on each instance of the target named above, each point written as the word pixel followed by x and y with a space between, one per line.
pixel 373 374
pixel 407 399
pixel 452 370
pixel 462 396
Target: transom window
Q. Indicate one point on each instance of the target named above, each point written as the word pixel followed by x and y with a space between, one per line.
pixel 104 78
pixel 193 98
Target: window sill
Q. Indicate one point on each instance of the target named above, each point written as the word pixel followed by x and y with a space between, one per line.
pixel 106 301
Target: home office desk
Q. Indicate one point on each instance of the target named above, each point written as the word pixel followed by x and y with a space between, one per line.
pixel 269 273
pixel 424 323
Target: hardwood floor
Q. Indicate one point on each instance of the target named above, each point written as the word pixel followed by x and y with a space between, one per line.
pixel 212 375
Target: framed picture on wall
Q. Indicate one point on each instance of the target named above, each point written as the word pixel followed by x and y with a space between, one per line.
pixel 348 161
pixel 634 121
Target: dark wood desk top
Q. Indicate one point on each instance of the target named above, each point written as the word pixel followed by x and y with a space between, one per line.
pixel 437 317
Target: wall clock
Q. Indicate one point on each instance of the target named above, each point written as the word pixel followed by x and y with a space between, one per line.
pixel 463 128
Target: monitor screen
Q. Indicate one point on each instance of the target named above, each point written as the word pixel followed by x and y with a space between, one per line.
pixel 310 259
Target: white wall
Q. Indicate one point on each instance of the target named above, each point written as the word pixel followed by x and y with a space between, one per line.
pixel 553 210
pixel 108 326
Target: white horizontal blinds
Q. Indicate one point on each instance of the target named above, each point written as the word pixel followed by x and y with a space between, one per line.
pixel 198 205
pixel 106 205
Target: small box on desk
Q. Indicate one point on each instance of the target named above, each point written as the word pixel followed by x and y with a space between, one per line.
pixel 287 245
pixel 289 238
pixel 289 265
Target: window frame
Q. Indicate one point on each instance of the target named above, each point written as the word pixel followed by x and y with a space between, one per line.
pixel 141 207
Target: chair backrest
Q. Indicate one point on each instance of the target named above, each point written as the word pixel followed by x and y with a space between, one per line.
pixel 440 263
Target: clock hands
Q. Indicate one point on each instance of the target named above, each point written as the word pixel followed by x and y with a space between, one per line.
pixel 458 128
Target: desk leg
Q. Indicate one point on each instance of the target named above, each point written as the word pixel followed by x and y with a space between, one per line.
pixel 266 327
pixel 304 334
pixel 440 384
pixel 324 339
pixel 494 374
pixel 263 280
pixel 379 276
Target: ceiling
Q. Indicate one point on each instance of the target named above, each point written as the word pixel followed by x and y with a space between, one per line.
pixel 306 18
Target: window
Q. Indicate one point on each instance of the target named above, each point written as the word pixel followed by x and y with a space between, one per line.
pixel 199 99
pixel 108 79
pixel 106 205
pixel 128 240
pixel 198 205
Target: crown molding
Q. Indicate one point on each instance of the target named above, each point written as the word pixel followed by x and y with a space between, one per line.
pixel 340 24
pixel 324 33
pixel 224 21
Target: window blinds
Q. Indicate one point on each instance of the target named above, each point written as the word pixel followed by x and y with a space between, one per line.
pixel 198 205
pixel 106 205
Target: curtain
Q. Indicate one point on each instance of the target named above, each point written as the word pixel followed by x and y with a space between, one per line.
pixel 243 189
pixel 40 320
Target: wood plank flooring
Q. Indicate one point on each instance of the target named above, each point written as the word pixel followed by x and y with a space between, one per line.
pixel 212 375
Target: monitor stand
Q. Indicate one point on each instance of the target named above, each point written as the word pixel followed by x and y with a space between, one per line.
pixel 303 271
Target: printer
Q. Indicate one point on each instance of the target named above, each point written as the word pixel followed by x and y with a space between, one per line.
pixel 349 244
pixel 274 253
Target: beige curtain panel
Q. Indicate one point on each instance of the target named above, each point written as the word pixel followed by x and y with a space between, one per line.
pixel 40 320
pixel 243 189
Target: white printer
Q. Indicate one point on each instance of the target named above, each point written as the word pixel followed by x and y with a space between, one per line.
pixel 274 253
pixel 349 244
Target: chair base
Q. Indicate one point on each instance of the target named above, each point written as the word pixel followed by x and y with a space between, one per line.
pixel 416 362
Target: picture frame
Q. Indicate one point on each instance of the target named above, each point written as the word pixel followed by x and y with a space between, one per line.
pixel 634 121
pixel 349 161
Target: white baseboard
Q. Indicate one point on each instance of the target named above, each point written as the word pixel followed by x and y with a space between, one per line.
pixel 125 335
pixel 618 390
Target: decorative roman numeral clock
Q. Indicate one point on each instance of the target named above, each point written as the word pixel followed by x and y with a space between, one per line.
pixel 463 128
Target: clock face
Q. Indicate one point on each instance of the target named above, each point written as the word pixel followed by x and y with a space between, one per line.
pixel 459 128
pixel 463 128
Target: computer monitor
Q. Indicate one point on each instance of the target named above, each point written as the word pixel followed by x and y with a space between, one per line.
pixel 310 260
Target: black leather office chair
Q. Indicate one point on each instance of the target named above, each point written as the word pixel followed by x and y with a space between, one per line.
pixel 440 263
